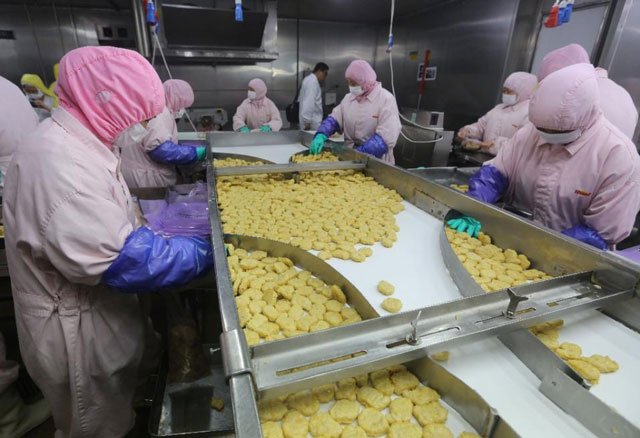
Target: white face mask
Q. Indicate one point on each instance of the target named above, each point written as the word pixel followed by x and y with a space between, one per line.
pixel 179 114
pixel 561 138
pixel 135 133
pixel 509 99
pixel 356 91
pixel 35 96
pixel 252 95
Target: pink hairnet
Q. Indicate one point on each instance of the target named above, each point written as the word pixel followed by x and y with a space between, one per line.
pixel 561 58
pixel 362 73
pixel 178 94
pixel 567 99
pixel 259 87
pixel 109 89
pixel 522 83
pixel 602 73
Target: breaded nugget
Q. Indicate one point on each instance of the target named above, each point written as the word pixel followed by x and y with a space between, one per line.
pixel 346 389
pixel 569 350
pixel 386 288
pixel 404 430
pixel 400 410
pixel 403 381
pixel 436 430
pixel 441 356
pixel 373 422
pixel 295 425
pixel 304 402
pixel 345 411
pixel 272 410
pixel 585 369
pixel 324 393
pixel 421 395
pixel 373 398
pixel 604 363
pixel 322 425
pixel 430 413
pixel 271 429
pixel 392 305
pixel 353 431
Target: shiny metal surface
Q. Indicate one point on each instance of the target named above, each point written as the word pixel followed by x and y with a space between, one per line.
pixel 468 42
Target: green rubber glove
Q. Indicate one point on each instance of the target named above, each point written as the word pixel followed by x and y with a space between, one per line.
pixel 317 144
pixel 466 223
pixel 201 152
pixel 265 128
pixel 245 129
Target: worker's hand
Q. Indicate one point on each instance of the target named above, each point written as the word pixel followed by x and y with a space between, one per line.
pixel 244 129
pixel 466 223
pixel 265 128
pixel 201 152
pixel 317 144
pixel 486 145
pixel 463 133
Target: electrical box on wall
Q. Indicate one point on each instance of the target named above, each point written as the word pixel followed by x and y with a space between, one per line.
pixel 117 35
pixel 430 74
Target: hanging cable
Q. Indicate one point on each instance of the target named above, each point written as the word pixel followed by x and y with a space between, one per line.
pixel 393 88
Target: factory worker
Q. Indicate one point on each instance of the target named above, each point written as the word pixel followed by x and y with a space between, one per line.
pixel 257 111
pixel 570 167
pixel 151 161
pixel 74 250
pixel 42 100
pixel 616 103
pixel 17 120
pixel 496 127
pixel 368 115
pixel 311 97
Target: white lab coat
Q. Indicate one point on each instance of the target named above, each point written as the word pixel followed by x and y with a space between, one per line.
pixel 310 102
pixel 67 214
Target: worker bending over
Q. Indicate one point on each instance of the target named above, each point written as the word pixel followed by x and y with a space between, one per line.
pixel 570 167
pixel 368 116
pixel 150 156
pixel 494 129
pixel 311 97
pixel 74 248
pixel 616 103
pixel 257 111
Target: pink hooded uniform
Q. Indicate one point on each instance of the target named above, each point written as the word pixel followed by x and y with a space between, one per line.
pixel 592 182
pixel 67 212
pixel 503 121
pixel 259 111
pixel 138 168
pixel 616 103
pixel 373 112
pixel 17 119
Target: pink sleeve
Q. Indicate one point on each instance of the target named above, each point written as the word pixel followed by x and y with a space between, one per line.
pixel 476 130
pixel 337 112
pixel 498 143
pixel 613 209
pixel 240 117
pixel 276 120
pixel 507 157
pixel 389 125
pixel 159 130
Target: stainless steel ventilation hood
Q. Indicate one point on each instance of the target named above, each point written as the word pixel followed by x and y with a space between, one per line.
pixel 199 34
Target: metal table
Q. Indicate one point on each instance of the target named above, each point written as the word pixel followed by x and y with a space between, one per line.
pixel 587 278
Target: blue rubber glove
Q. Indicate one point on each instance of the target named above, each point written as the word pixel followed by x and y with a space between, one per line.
pixel 201 152
pixel 328 127
pixel 171 153
pixel 374 146
pixel 487 184
pixel 317 144
pixel 587 235
pixel 244 129
pixel 148 262
pixel 265 128
pixel 466 223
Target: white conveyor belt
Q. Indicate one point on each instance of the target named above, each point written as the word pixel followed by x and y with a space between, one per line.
pixel 414 265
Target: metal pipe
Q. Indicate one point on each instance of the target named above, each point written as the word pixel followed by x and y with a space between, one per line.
pixel 142 36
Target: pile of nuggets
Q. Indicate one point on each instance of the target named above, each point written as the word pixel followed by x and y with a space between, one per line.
pixel 390 402
pixel 340 214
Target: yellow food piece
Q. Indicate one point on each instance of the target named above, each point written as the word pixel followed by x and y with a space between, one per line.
pixel 380 380
pixel 392 305
pixel 322 425
pixel 252 337
pixel 404 430
pixel 295 425
pixel 585 369
pixel 346 389
pixel 430 413
pixel 421 395
pixel 469 435
pixel 304 402
pixel 324 393
pixel 373 422
pixel 353 431
pixel 345 411
pixel 436 430
pixel 568 350
pixel 271 430
pixel 275 207
pixel 400 410
pixel 217 404
pixel 403 381
pixel 362 380
pixel 441 356
pixel 333 318
pixel 372 397
pixel 386 288
pixel 272 410
pixel 604 363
